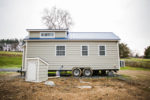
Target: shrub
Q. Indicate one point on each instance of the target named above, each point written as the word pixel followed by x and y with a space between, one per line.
pixel 140 64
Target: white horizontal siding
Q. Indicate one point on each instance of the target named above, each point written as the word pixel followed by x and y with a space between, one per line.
pixel 35 34
pixel 73 58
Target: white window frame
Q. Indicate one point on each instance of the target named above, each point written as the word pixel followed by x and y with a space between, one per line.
pixel 99 50
pixel 56 51
pixel 47 36
pixel 87 50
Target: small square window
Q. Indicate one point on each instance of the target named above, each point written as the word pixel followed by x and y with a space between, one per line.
pixel 60 50
pixel 102 50
pixel 84 50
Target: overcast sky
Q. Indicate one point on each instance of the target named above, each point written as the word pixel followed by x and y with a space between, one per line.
pixel 129 19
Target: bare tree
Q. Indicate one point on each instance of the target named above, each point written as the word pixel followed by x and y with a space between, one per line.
pixel 57 19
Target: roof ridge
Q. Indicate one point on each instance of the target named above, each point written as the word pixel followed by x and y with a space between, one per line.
pixel 90 32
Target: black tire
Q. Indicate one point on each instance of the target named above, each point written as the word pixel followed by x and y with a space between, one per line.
pixel 76 72
pixel 87 72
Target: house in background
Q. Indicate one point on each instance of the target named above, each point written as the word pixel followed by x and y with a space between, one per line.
pixel 7 47
pixel 80 52
pixel 19 46
pixel 12 46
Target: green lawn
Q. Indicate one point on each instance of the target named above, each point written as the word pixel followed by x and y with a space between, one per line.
pixel 10 59
pixel 137 59
pixel 10 62
pixel 137 62
pixel 62 72
pixel 1 73
pixel 133 68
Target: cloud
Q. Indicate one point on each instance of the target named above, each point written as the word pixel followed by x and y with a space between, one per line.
pixel 127 18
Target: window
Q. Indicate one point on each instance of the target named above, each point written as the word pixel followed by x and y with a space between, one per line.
pixel 47 34
pixel 102 50
pixel 60 50
pixel 84 50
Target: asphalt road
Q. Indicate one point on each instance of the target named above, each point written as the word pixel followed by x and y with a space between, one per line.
pixel 9 69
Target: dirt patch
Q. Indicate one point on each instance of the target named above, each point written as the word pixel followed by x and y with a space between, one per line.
pixel 135 73
pixel 139 77
pixel 65 88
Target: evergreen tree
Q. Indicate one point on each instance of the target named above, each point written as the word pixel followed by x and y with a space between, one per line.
pixel 147 52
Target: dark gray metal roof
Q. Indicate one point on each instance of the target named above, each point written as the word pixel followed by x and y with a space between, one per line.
pixel 92 36
pixel 46 30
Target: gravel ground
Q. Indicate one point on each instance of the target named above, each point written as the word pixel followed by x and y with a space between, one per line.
pixel 9 69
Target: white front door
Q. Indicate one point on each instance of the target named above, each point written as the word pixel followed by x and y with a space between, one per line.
pixel 31 70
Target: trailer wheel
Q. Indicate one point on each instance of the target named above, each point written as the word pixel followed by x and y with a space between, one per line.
pixel 76 72
pixel 110 73
pixel 87 72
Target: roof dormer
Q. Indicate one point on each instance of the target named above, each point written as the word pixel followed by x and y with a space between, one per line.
pixel 46 33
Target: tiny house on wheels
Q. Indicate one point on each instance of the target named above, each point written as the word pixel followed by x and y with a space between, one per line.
pixel 83 53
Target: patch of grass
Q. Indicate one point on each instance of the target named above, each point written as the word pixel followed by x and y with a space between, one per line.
pixel 62 72
pixel 136 59
pixel 68 72
pixel 51 72
pixel 10 53
pixel 137 62
pixel 133 68
pixel 10 61
pixel 125 76
pixel 5 73
pixel 140 64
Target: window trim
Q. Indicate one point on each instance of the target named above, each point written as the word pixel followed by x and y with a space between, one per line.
pixel 56 51
pixel 47 36
pixel 87 50
pixel 99 50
